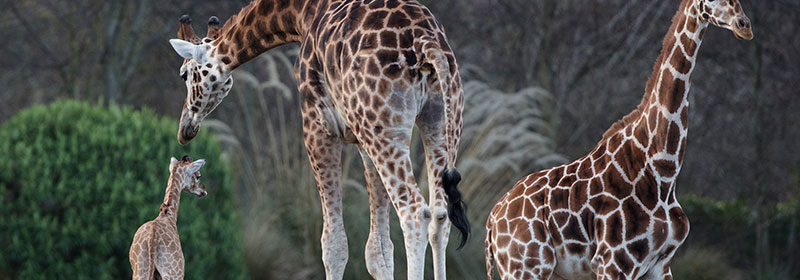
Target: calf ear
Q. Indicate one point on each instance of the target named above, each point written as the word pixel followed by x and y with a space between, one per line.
pixel 172 162
pixel 187 50
pixel 196 165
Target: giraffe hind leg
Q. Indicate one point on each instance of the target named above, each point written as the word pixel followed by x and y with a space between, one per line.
pixel 393 163
pixel 379 251
pixel 140 254
pixel 431 126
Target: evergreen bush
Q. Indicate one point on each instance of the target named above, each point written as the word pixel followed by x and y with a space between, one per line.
pixel 77 180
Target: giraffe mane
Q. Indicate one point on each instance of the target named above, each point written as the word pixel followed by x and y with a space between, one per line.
pixel 231 22
pixel 173 182
pixel 163 209
pixel 668 41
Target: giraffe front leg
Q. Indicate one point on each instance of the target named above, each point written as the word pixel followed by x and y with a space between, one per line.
pixel 661 270
pixel 379 251
pixel 324 153
pixel 431 128
pixel 324 148
pixel 667 274
pixel 613 264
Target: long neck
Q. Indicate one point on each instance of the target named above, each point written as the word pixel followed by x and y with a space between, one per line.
pixel 172 199
pixel 660 122
pixel 260 26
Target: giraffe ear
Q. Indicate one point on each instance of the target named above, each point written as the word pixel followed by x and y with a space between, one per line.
pixel 188 50
pixel 196 165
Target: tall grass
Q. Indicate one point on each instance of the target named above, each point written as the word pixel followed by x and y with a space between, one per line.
pixel 506 135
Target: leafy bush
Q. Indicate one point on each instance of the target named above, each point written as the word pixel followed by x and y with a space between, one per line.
pixel 760 237
pixel 77 180
pixel 704 264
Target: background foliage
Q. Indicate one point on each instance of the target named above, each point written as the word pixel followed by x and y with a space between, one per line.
pixel 77 180
pixel 545 79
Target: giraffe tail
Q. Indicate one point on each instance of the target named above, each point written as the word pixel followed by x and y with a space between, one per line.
pixel 435 60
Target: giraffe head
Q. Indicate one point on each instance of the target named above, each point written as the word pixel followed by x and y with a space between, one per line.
pixel 208 80
pixel 186 174
pixel 727 14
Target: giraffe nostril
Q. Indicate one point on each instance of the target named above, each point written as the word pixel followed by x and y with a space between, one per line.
pixel 744 23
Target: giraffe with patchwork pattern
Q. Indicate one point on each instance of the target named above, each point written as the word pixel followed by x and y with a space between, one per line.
pixel 612 214
pixel 368 72
pixel 156 248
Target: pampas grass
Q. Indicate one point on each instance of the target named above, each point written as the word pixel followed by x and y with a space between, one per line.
pixel 506 136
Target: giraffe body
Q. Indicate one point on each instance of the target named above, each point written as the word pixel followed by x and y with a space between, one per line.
pixel 612 214
pixel 368 72
pixel 156 248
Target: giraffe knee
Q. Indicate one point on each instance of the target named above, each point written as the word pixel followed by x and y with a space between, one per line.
pixel 438 223
pixel 440 215
pixel 439 227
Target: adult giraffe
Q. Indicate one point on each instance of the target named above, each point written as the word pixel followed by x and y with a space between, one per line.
pixel 612 214
pixel 367 72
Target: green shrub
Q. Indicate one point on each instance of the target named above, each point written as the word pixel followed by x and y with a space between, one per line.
pixel 704 264
pixel 77 180
pixel 761 239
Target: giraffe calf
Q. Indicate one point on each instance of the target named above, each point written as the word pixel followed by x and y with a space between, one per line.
pixel 156 249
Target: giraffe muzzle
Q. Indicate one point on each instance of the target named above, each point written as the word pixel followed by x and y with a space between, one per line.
pixel 188 127
pixel 742 28
pixel 187 132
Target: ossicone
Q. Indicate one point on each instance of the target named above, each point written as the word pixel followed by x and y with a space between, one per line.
pixel 213 27
pixel 185 30
pixel 185 19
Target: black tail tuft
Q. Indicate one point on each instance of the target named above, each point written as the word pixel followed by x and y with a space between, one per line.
pixel 456 209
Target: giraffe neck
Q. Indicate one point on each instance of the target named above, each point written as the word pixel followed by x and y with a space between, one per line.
pixel 660 123
pixel 260 26
pixel 172 199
